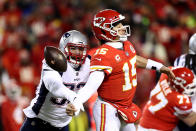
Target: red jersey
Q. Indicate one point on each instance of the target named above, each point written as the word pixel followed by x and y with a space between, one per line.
pixel 119 66
pixel 164 104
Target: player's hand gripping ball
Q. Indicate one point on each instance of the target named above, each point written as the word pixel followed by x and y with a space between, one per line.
pixel 55 58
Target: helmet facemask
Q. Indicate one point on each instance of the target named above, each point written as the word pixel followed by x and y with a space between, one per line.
pixel 76 54
pixel 125 28
pixel 190 89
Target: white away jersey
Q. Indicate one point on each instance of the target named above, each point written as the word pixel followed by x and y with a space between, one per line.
pixel 180 61
pixel 54 93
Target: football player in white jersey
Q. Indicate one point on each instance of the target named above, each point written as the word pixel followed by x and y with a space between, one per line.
pixel 188 60
pixel 47 110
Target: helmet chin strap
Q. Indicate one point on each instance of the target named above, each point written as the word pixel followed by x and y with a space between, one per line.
pixel 123 38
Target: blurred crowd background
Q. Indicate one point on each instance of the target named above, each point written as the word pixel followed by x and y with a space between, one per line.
pixel 160 30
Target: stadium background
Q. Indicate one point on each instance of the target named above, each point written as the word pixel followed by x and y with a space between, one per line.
pixel 160 30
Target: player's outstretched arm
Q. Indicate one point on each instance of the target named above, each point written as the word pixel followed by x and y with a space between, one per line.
pixel 53 82
pixel 94 81
pixel 142 62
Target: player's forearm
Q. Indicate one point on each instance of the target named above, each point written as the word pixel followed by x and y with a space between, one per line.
pixel 59 90
pixel 93 83
pixel 142 62
pixel 54 84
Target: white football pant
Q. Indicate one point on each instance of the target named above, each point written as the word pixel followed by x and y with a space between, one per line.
pixel 107 119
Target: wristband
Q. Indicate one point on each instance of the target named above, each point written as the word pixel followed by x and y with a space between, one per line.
pixel 153 65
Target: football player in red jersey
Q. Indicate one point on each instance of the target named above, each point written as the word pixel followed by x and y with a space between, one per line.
pixel 170 102
pixel 113 74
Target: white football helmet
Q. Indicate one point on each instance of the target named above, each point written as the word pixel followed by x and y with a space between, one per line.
pixel 192 44
pixel 74 39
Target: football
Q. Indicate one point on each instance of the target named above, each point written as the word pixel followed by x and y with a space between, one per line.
pixel 55 58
